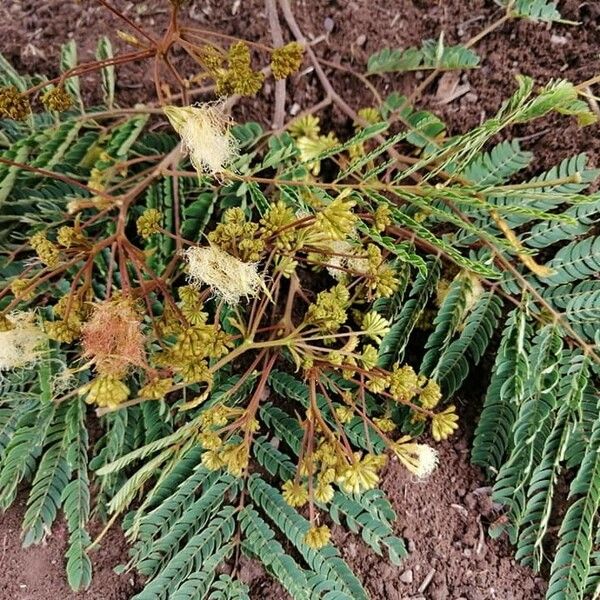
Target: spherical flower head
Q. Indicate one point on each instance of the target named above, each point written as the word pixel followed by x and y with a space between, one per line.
pixel 228 277
pixel 236 458
pixel 375 326
pixel 286 60
pixel 57 99
pixel 13 104
pixel 404 383
pixel 210 440
pixel 337 219
pixel 112 338
pixel 344 414
pixel 212 460
pixel 69 236
pixel 382 217
pixel 324 493
pixel 317 537
pixel 305 126
pixel 20 340
pixel 149 223
pixel 361 474
pixel 156 389
pixel 369 357
pixel 419 459
pixel 384 424
pixel 205 134
pixel 46 250
pixel 294 493
pixel 444 424
pixel 105 391
pixel 430 395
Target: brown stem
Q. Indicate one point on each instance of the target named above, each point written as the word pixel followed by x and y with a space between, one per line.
pixel 277 36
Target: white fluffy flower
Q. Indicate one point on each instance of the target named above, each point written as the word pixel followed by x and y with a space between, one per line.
pixel 19 345
pixel 228 277
pixel 204 131
pixel 342 257
pixel 419 459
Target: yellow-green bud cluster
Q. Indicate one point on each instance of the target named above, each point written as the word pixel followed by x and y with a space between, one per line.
pixel 237 236
pixel 57 99
pixel 329 311
pixel 13 104
pixel 149 223
pixel 46 250
pixel 286 60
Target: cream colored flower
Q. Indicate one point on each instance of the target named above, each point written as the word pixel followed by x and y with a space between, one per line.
pixel 228 277
pixel 419 459
pixel 20 341
pixel 204 131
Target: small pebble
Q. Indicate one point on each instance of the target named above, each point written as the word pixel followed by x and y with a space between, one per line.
pixel 407 576
pixel 328 24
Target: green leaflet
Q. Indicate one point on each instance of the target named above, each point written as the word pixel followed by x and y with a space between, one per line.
pixel 104 52
pixel 433 54
pixel 68 60
pixel 532 427
pixel 445 324
pixel 571 565
pixel 505 393
pixel 536 10
pixel 468 348
pixel 394 343
pixel 578 260
pixel 76 500
pixel 260 541
pixel 325 562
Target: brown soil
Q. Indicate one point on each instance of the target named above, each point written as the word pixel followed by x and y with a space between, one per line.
pixel 38 572
pixel 444 519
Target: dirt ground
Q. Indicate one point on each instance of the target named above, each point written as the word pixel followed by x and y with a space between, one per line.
pixel 445 518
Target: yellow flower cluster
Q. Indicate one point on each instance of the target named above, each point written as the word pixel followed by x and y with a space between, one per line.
pixel 193 347
pixel 46 250
pixel 237 236
pixel 329 311
pixel 13 104
pixel 295 493
pixel 277 224
pixel 72 313
pixel 317 537
pixel 149 222
pixel 337 219
pixel 361 473
pixel 233 457
pixel 233 73
pixel 70 236
pixel 105 391
pixel 57 99
pixel 286 60
pixel 156 389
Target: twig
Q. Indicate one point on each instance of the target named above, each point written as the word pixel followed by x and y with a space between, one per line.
pixel 277 36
